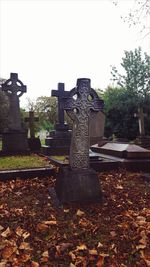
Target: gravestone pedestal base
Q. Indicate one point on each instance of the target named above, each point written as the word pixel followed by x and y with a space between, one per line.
pixel 34 143
pixel 77 186
pixel 58 141
pixel 15 142
pixel 143 141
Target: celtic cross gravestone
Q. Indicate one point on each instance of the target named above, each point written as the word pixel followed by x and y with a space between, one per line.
pixel 15 138
pixel 14 89
pixel 79 182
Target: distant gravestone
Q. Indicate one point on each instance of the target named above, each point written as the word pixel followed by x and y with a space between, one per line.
pixel 61 94
pixel 79 183
pixel 58 141
pixel 97 123
pixel 31 121
pixel 142 139
pixel 140 116
pixel 15 138
pixel 34 142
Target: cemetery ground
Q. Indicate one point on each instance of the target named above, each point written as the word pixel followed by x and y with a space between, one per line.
pixel 35 230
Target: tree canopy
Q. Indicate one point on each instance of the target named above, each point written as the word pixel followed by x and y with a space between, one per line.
pixel 132 90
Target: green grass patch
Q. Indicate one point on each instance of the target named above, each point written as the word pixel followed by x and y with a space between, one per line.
pixel 23 162
pixel 61 158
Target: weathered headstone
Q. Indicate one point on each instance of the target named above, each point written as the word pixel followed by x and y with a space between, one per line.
pixel 58 141
pixel 142 139
pixel 15 138
pixel 79 183
pixel 97 123
pixel 140 116
pixel 34 142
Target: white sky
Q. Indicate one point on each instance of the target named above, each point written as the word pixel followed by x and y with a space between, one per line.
pixel 48 41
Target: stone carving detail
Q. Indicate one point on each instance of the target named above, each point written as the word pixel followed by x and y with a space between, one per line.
pixel 14 89
pixel 79 105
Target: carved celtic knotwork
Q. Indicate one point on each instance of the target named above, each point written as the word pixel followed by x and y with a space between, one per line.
pixel 82 100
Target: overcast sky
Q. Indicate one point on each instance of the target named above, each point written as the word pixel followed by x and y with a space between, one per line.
pixel 48 41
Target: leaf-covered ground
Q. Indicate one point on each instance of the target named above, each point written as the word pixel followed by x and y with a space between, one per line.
pixel 35 231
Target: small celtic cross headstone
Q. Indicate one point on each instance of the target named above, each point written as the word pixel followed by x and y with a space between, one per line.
pixel 78 182
pixel 14 89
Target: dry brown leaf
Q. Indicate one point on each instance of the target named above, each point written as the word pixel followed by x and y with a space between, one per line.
pixel 119 187
pixel 100 245
pixel 80 213
pixel 45 254
pixel 8 251
pixel 52 222
pixel 81 247
pixel 93 252
pixel 41 227
pixel 34 264
pixel 104 255
pixel 100 262
pixel 26 235
pixel 24 257
pixel 72 265
pixel 72 255
pixel 6 233
pixel 62 247
pixel 140 246
pixel 66 210
pixel 19 231
pixel 25 246
pixel 146 257
pixel 124 225
pixel 113 233
pixel 1 227
pixel 3 263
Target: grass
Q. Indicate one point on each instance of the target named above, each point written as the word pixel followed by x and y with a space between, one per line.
pixel 23 162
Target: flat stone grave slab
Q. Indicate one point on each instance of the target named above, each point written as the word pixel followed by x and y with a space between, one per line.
pixel 6 175
pixel 97 161
pixel 122 150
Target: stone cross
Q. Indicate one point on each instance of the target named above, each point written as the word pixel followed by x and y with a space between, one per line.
pixel 61 94
pixel 81 102
pixel 14 89
pixel 140 116
pixel 31 120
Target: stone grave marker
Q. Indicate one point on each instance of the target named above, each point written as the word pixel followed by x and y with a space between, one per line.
pixel 97 123
pixel 34 142
pixel 142 139
pixel 61 94
pixel 78 182
pixel 15 138
pixel 58 141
